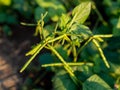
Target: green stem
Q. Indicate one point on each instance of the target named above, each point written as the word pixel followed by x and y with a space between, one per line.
pixel 95 36
pixel 28 24
pixel 101 53
pixel 70 64
pixel 81 48
pixel 57 38
pixel 103 36
pixel 30 60
pixel 74 53
pixel 66 66
pixel 60 57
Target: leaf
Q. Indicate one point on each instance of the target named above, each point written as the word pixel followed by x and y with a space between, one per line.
pixel 81 12
pixel 23 7
pixel 47 31
pixel 53 13
pixel 62 52
pixel 112 51
pixel 102 29
pixel 3 17
pixel 107 3
pixel 106 75
pixel 46 58
pixel 38 12
pixel 116 30
pixel 83 72
pixel 62 81
pixel 5 2
pixel 54 7
pixel 64 19
pixel 95 83
pixel 80 32
pixel 11 19
pixel 115 69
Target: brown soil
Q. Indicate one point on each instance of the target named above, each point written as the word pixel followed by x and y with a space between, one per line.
pixel 12 56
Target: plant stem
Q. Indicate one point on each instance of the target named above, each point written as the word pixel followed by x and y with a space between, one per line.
pixel 70 64
pixel 84 45
pixel 27 24
pixel 30 60
pixel 66 66
pixel 74 53
pixel 57 38
pixel 101 53
pixel 103 36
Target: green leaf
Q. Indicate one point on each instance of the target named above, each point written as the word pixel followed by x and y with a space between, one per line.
pixel 5 2
pixel 62 81
pixel 81 12
pixel 61 51
pixel 115 69
pixel 102 30
pixel 112 51
pixel 83 72
pixel 107 2
pixel 47 31
pixel 80 32
pixel 113 9
pixel 38 12
pixel 23 7
pixel 64 19
pixel 54 7
pixel 11 19
pixel 107 77
pixel 46 58
pixel 95 83
pixel 116 30
pixel 52 12
pixel 3 17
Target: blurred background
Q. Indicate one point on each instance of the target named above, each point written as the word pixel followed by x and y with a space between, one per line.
pixel 17 39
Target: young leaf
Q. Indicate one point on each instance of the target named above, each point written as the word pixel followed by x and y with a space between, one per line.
pixel 64 20
pixel 81 12
pixel 95 83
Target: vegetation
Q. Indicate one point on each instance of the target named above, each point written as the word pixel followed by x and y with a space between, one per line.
pixel 79 45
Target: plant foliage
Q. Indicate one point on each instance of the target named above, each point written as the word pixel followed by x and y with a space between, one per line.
pixel 74 51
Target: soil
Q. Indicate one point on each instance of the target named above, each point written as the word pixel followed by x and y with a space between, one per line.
pixel 12 56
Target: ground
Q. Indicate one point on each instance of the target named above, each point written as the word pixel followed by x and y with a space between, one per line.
pixel 12 57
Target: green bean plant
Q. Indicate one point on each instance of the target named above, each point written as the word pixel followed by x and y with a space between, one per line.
pixel 66 42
